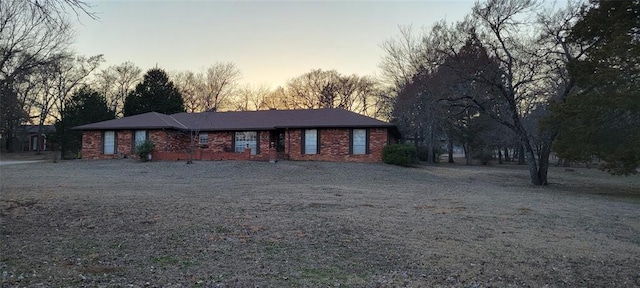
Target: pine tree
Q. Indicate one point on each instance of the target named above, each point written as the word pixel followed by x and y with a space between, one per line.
pixel 602 117
pixel 85 106
pixel 155 94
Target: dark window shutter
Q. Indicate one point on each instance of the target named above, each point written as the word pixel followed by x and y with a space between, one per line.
pixel 302 142
pixel 318 141
pixel 257 142
pixel 350 141
pixel 233 141
pixel 102 142
pixel 115 142
pixel 133 141
pixel 388 137
pixel 366 151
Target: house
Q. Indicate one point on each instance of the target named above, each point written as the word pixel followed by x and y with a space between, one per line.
pixel 320 134
pixel 31 138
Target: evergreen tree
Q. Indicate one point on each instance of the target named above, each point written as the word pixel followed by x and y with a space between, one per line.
pixel 85 106
pixel 11 115
pixel 602 117
pixel 155 94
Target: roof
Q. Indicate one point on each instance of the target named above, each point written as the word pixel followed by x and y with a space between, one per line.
pixel 244 120
pixel 151 120
pixel 31 129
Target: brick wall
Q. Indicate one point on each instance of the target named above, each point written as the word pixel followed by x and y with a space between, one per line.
pixel 219 142
pixel 169 140
pixel 92 145
pixel 175 145
pixel 334 146
pixel 124 143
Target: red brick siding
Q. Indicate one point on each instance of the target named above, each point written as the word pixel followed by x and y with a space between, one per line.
pixel 169 140
pixel 124 143
pixel 92 145
pixel 218 142
pixel 175 145
pixel 334 146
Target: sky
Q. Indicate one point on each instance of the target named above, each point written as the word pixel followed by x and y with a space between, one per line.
pixel 270 42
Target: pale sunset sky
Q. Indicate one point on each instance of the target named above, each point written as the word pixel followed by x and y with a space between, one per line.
pixel 270 42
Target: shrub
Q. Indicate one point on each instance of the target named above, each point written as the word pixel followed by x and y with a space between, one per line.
pixel 144 149
pixel 400 154
pixel 423 151
pixel 484 155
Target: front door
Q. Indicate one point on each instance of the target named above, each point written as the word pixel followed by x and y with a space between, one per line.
pixel 34 143
pixel 277 140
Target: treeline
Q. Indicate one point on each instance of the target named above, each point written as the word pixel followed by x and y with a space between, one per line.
pixel 44 82
pixel 516 75
pixel 219 88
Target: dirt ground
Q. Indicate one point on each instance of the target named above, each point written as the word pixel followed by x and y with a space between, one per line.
pixel 313 224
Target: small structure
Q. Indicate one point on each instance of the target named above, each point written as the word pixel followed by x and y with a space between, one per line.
pixel 269 135
pixel 30 138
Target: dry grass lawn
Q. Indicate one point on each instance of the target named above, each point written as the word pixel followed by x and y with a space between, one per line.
pixel 314 224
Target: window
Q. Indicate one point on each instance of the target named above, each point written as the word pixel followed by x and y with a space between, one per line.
pixel 203 139
pixel 246 139
pixel 310 141
pixel 359 141
pixel 109 144
pixel 140 137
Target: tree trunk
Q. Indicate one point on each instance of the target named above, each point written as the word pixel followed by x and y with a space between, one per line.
pixel 430 157
pixel 521 156
pixel 39 137
pixel 62 140
pixel 533 165
pixel 506 154
pixel 543 163
pixel 9 140
pixel 538 168
pixel 451 151
pixel 467 153
pixel 499 156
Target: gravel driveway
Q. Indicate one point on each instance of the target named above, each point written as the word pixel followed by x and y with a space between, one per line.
pixel 314 224
pixel 11 162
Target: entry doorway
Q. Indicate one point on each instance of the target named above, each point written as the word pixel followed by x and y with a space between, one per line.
pixel 276 140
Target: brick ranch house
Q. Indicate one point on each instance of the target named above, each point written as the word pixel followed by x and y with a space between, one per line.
pixel 320 134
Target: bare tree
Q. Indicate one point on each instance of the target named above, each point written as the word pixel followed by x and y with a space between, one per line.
pixel 104 81
pixel 115 82
pixel 32 34
pixel 532 59
pixel 28 38
pixel 381 102
pixel 127 75
pixel 54 11
pixel 402 57
pixel 251 98
pixel 221 79
pixel 190 86
pixel 55 84
pixel 330 89
pixel 277 99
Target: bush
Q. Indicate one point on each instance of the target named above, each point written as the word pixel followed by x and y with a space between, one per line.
pixel 144 149
pixel 400 154
pixel 484 155
pixel 423 151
